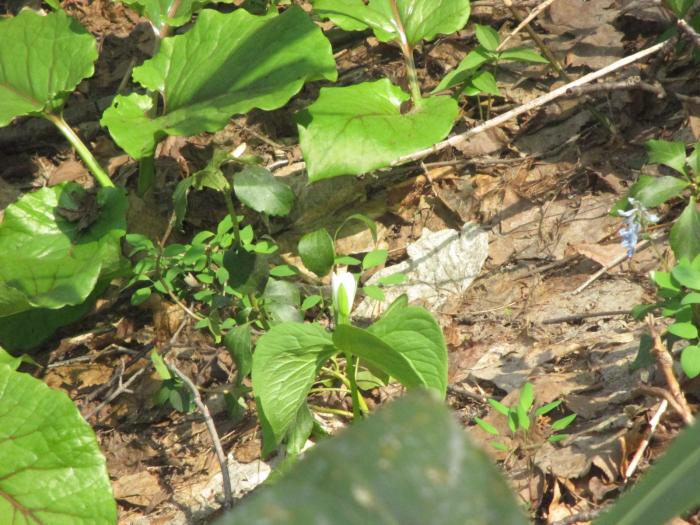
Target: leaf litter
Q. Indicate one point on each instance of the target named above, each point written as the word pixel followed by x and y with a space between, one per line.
pixel 539 189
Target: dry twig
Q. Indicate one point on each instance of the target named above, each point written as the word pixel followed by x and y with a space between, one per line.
pixel 653 423
pixel 218 449
pixel 533 14
pixel 665 363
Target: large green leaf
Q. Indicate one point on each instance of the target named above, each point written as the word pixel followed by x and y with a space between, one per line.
pixel 415 334
pixel 285 363
pixel 378 354
pixel 27 330
pixel 409 464
pixel 685 234
pixel 421 19
pixel 49 261
pixel 42 59
pixel 261 191
pixel 226 64
pixel 356 129
pixel 667 490
pixel 51 468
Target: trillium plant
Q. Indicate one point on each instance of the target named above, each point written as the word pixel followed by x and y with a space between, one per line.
pixel 62 246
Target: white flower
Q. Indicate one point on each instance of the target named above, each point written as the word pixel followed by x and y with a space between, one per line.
pixel 343 301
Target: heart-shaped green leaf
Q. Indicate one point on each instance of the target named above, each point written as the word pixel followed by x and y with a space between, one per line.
pixel 317 251
pixel 421 19
pixel 226 64
pixel 42 59
pixel 285 363
pixel 51 469
pixel 685 234
pixel 50 256
pixel 410 463
pixel 690 361
pixel 357 129
pixel 261 191
pixel 415 334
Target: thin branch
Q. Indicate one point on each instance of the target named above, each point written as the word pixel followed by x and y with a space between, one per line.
pixel 643 446
pixel 529 106
pixel 220 456
pixel 662 394
pixel 642 245
pixel 533 14
pixel 688 30
pixel 665 363
pixel 575 318
pixel 122 387
pixel 633 82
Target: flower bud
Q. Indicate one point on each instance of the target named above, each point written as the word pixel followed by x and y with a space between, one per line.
pixel 343 287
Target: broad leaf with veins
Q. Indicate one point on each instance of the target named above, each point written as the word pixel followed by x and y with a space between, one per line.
pixel 226 64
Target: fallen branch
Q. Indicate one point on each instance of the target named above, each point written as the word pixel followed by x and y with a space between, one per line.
pixel 218 449
pixel 529 106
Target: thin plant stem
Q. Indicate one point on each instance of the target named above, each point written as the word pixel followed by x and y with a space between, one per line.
pixel 262 316
pixel 336 375
pixel 321 390
pixel 335 411
pixel 407 52
pixel 231 208
pixel 82 150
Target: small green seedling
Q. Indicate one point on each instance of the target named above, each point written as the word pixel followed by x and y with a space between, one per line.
pixel 522 419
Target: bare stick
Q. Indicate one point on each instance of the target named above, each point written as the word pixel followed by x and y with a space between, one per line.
pixel 529 106
pixel 223 461
pixel 576 318
pixel 643 446
pixel 533 14
pixel 633 82
pixel 665 363
pixel 640 246
pixel 122 387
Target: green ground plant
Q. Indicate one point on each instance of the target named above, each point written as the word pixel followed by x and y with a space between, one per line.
pixel 522 420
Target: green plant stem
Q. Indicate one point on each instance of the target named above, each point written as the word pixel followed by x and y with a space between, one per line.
pixel 359 406
pixel 231 208
pixel 407 52
pixel 337 375
pixel 262 316
pixel 323 389
pixel 83 151
pixel 336 411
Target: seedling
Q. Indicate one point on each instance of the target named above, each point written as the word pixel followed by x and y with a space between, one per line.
pixel 522 420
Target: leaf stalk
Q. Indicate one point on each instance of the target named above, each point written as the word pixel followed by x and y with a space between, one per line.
pixel 85 154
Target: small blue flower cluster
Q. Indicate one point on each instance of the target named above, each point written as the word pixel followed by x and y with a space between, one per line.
pixel 635 218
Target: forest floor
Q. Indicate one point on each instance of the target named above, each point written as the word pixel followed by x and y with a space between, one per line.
pixel 538 188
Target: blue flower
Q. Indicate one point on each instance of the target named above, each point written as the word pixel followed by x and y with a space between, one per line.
pixel 636 217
